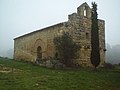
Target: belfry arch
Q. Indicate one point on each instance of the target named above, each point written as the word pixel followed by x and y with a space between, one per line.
pixel 84 10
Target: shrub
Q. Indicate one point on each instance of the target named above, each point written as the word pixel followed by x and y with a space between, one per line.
pixel 109 66
pixel 67 49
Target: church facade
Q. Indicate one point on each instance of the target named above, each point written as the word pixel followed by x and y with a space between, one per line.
pixel 39 44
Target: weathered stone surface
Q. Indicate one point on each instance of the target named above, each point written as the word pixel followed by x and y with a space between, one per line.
pixel 78 25
pixel 50 63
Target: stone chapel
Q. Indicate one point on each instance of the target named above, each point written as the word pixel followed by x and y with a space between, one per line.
pixel 39 44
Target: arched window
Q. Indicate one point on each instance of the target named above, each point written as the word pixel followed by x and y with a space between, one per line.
pixel 85 12
pixel 39 52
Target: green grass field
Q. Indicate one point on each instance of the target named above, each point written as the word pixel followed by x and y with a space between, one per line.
pixel 16 75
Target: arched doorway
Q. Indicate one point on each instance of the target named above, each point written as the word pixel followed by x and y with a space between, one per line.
pixel 39 53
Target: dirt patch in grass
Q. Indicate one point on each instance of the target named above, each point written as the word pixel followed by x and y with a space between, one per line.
pixel 4 69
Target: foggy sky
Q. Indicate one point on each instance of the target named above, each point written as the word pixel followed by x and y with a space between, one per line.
pixel 18 17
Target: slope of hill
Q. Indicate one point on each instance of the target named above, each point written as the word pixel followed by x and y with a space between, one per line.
pixel 15 75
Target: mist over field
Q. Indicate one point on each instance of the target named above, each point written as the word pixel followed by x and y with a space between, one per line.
pixel 113 54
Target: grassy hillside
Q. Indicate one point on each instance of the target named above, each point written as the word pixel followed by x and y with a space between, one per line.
pixel 16 75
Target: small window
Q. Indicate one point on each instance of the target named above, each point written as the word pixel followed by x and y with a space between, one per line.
pixel 85 12
pixel 56 55
pixel 87 36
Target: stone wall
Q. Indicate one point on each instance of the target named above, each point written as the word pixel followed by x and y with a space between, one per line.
pixel 78 25
pixel 25 47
